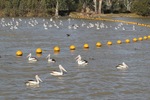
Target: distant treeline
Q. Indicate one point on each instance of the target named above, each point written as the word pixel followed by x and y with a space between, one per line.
pixel 46 8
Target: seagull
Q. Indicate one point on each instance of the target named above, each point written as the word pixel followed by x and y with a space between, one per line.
pixel 62 70
pixel 122 66
pixel 50 60
pixel 31 58
pixel 80 61
pixel 33 82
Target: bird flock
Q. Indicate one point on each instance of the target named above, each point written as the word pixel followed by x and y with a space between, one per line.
pixel 46 24
pixel 79 60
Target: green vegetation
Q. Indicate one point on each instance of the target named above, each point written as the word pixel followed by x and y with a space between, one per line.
pixel 44 8
pixel 141 7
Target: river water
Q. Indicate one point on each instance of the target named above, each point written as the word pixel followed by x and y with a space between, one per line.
pixel 99 80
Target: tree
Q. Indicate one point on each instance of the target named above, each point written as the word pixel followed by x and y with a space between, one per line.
pixel 127 4
pixel 141 7
pixel 100 6
pixel 95 6
pixel 57 8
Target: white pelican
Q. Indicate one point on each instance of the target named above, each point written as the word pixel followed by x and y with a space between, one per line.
pixel 122 66
pixel 33 82
pixel 49 59
pixel 31 58
pixel 80 61
pixel 55 73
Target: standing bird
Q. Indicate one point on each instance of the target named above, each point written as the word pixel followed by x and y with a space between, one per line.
pixel 33 82
pixel 50 59
pixel 122 66
pixel 31 58
pixel 62 70
pixel 80 61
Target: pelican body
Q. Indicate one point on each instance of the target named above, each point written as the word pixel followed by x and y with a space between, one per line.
pixel 31 58
pixel 80 61
pixel 34 82
pixel 55 73
pixel 122 66
pixel 50 60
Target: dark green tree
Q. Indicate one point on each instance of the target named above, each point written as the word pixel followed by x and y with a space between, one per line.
pixel 141 7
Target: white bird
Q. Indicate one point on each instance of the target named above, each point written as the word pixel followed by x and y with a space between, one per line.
pixel 55 73
pixel 122 66
pixel 34 82
pixel 50 59
pixel 80 61
pixel 31 58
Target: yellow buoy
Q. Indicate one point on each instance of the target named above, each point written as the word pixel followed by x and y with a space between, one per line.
pixel 19 53
pixel 98 44
pixel 140 38
pixel 119 41
pixel 145 37
pixel 134 39
pixel 56 49
pixel 39 51
pixel 72 47
pixel 148 36
pixel 109 43
pixel 127 41
pixel 38 55
pixel 86 46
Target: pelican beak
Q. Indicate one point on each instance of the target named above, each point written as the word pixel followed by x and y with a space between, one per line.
pixel 48 56
pixel 40 79
pixel 76 57
pixel 27 56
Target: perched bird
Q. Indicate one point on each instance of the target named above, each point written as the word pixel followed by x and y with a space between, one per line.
pixel 122 66
pixel 80 61
pixel 31 58
pixel 50 59
pixel 34 82
pixel 62 70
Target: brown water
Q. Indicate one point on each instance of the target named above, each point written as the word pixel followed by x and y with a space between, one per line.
pixel 99 80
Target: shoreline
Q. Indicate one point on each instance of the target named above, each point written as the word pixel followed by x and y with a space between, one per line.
pixel 129 15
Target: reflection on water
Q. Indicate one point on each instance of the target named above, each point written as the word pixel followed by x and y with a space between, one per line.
pixel 98 80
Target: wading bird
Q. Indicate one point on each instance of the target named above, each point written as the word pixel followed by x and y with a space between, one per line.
pixel 80 61
pixel 122 66
pixel 55 73
pixel 31 58
pixel 34 82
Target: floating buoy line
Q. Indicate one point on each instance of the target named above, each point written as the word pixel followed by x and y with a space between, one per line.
pixel 98 44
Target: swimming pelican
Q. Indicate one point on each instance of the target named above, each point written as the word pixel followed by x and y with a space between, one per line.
pixel 55 73
pixel 80 61
pixel 33 82
pixel 122 66
pixel 49 59
pixel 31 58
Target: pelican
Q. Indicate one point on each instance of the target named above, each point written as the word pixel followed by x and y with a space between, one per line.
pixel 55 73
pixel 49 59
pixel 80 61
pixel 33 82
pixel 122 66
pixel 31 58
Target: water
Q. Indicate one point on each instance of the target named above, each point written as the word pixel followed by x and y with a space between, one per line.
pixel 99 80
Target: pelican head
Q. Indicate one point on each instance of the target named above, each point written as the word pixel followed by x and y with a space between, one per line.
pixel 38 78
pixel 125 64
pixel 78 57
pixel 29 55
pixel 48 56
pixel 62 68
